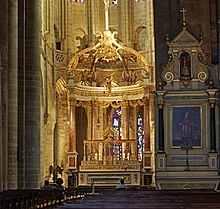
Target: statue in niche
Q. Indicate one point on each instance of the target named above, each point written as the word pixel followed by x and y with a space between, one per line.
pixel 185 65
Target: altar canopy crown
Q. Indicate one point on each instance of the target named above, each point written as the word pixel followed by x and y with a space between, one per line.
pixel 108 62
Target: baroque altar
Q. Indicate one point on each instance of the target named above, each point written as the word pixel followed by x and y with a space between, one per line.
pixel 110 111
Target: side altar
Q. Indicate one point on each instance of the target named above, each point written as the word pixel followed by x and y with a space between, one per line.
pixel 187 135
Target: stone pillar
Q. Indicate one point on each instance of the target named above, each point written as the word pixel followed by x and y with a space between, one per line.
pixel 1 151
pixel 125 21
pixel 32 93
pixel 4 93
pixel 12 94
pixel 21 94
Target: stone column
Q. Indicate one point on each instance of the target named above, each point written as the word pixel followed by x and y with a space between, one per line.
pixel 21 94
pixel 12 94
pixel 4 93
pixel 32 93
pixel 125 21
pixel 1 151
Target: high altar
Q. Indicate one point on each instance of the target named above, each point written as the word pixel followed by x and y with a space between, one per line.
pixel 110 111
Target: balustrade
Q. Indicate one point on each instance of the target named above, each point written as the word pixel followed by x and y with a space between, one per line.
pixel 110 151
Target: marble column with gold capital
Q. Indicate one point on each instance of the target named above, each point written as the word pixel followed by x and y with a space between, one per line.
pixel 125 125
pixel 125 120
pixel 212 127
pixel 94 120
pixel 212 103
pixel 72 129
pixel 161 127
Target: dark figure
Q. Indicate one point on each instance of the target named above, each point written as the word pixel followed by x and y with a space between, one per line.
pixel 121 186
pixel 46 186
pixel 59 185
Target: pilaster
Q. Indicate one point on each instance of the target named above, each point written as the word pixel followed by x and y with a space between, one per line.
pixel 12 94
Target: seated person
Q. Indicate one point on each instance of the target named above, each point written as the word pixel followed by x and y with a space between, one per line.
pixel 121 186
pixel 59 185
pixel 46 186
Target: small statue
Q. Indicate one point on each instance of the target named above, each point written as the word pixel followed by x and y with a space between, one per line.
pixel 55 170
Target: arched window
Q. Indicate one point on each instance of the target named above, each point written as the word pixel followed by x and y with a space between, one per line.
pixel 116 124
pixel 140 134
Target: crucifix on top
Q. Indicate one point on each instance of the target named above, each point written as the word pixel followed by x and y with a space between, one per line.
pixel 184 16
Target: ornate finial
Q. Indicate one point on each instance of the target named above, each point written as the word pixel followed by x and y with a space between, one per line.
pixel 184 16
pixel 106 2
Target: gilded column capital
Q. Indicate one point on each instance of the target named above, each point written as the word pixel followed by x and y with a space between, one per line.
pixel 95 103
pixel 160 104
pixel 145 101
pixel 73 102
pixel 125 103
pixel 212 102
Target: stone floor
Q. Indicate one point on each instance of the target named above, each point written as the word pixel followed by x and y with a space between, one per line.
pixel 184 199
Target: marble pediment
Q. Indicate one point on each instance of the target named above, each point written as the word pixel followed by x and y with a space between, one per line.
pixel 185 38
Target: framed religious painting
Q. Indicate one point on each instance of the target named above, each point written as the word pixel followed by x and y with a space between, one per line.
pixel 72 161
pixel 186 126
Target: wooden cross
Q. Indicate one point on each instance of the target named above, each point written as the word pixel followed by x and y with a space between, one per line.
pixel 187 148
pixel 184 16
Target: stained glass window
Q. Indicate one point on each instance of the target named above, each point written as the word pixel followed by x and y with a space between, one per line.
pixel 140 141
pixel 116 124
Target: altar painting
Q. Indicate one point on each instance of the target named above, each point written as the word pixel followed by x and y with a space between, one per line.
pixel 186 126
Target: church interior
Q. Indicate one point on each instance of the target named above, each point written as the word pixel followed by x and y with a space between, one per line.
pixel 94 91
